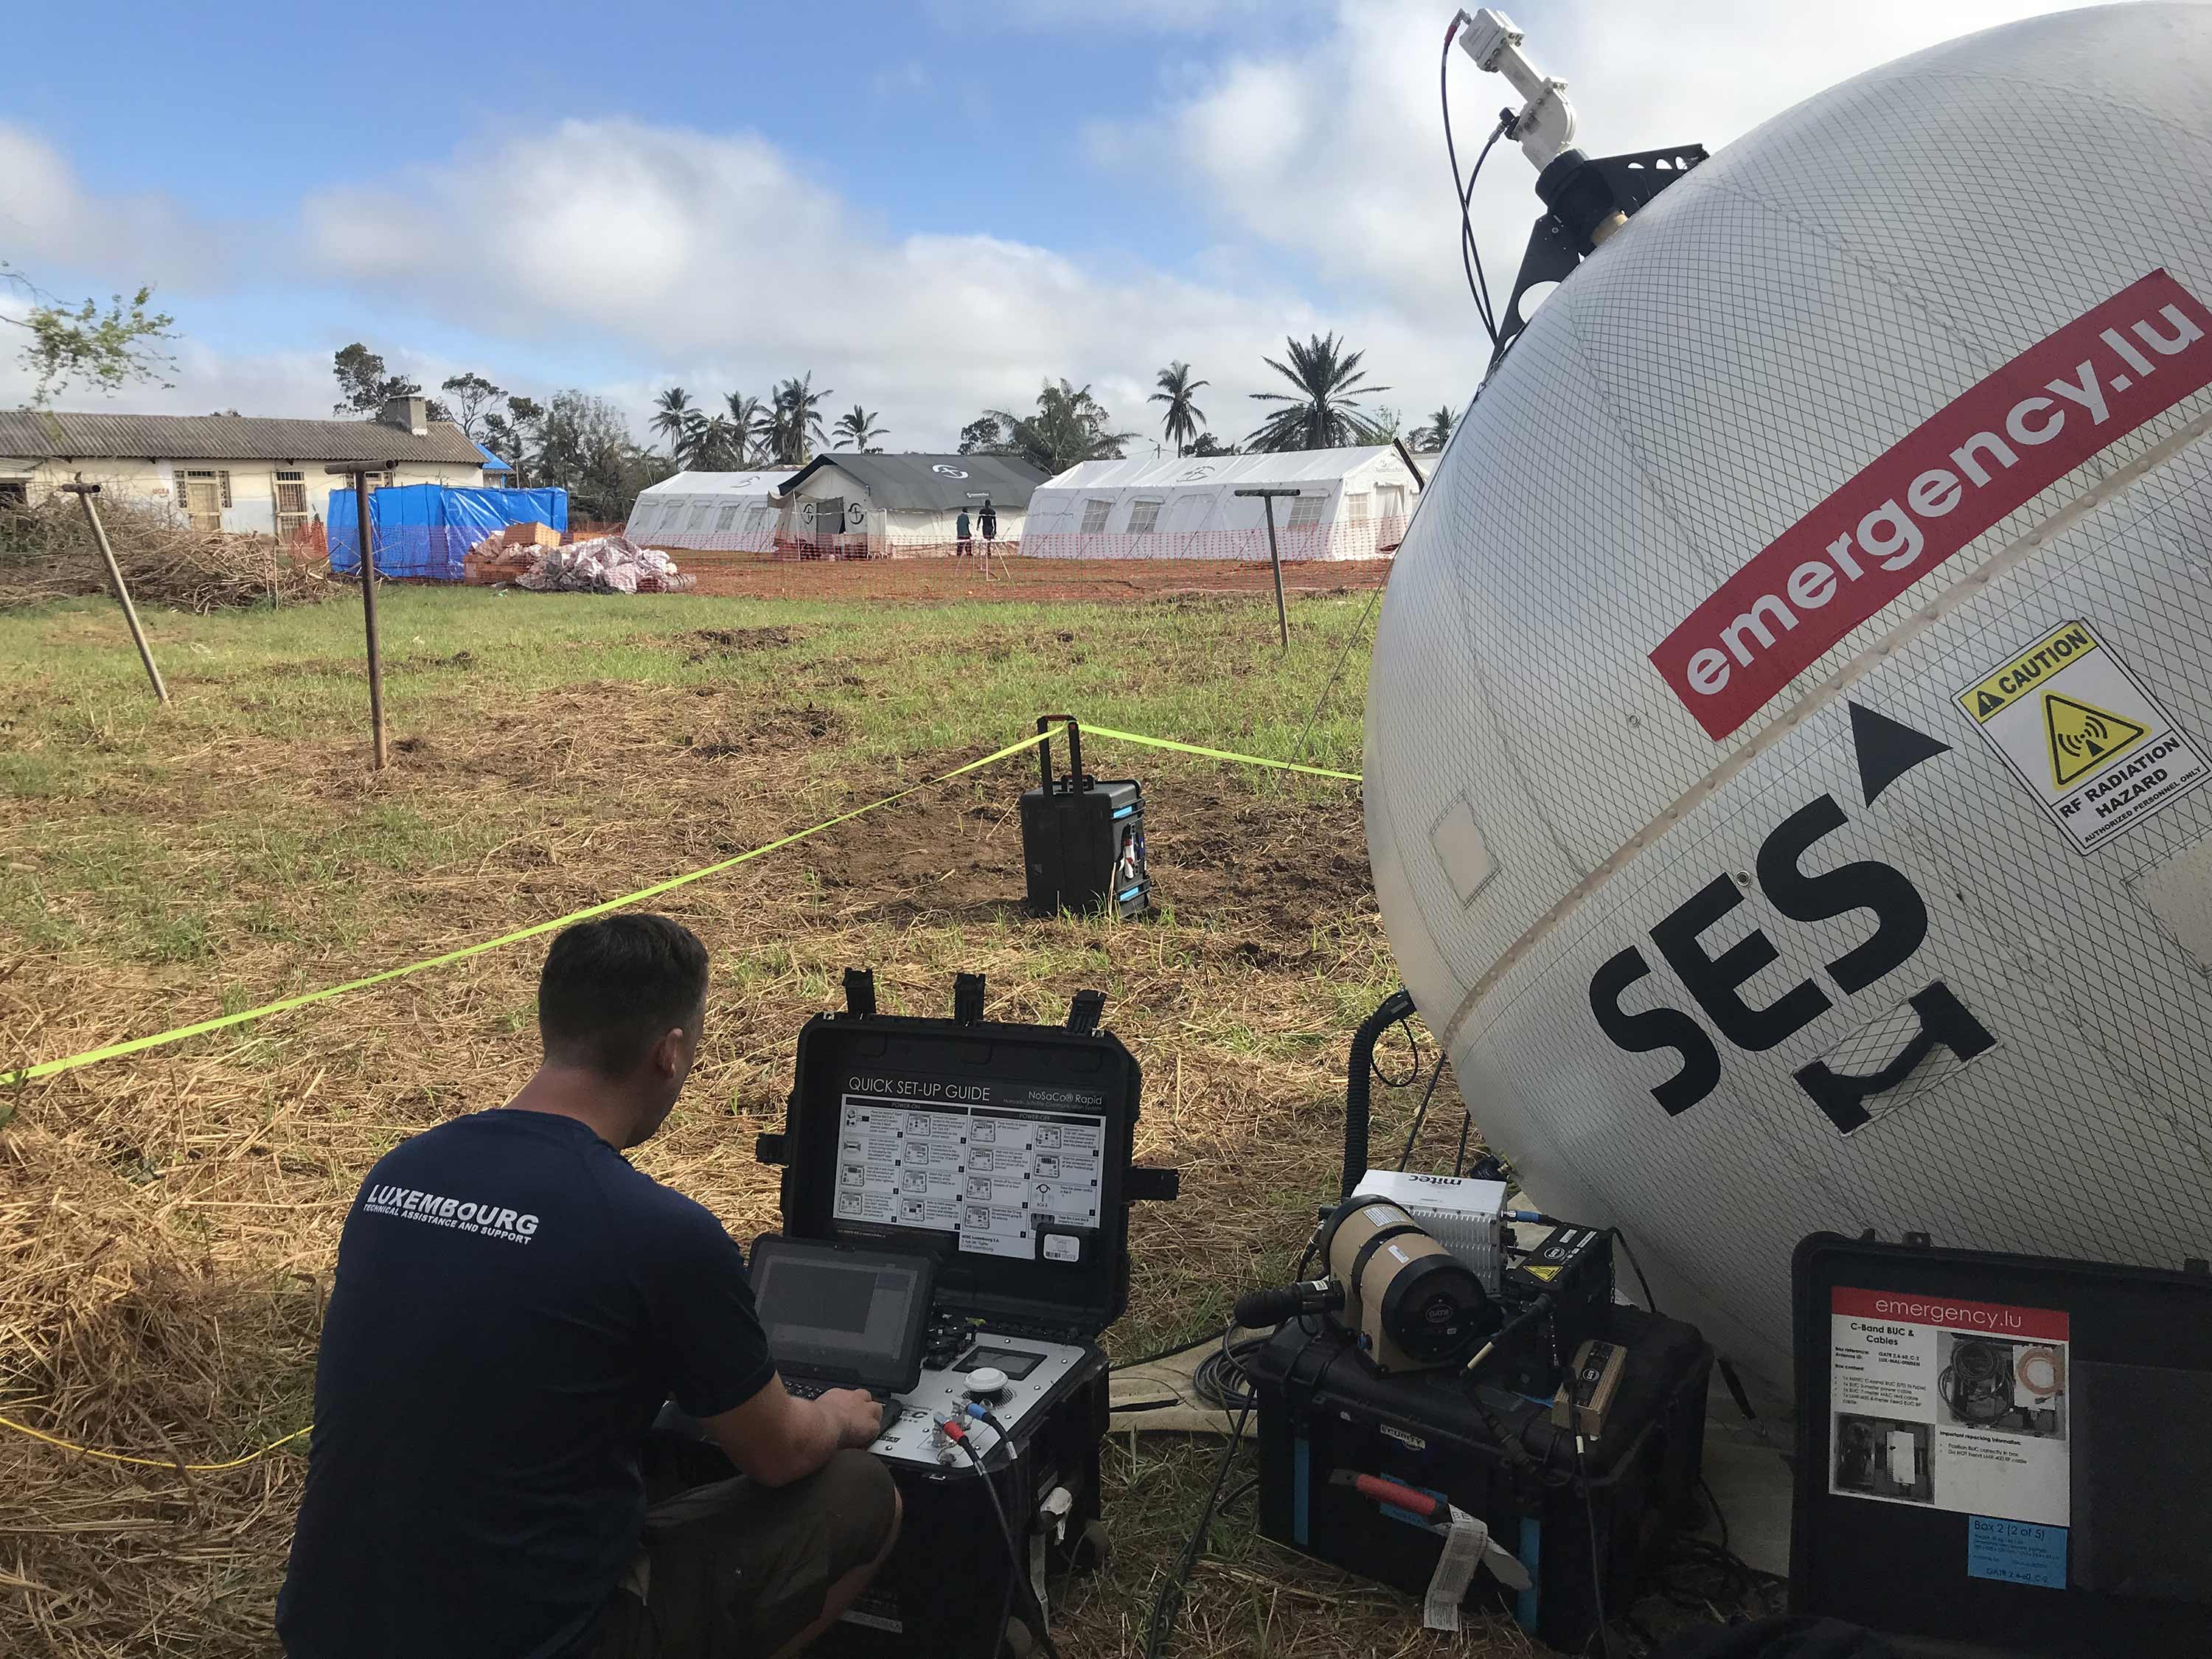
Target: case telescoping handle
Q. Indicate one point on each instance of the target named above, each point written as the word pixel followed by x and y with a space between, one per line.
pixel 1074 750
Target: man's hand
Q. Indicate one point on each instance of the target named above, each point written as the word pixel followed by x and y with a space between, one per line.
pixel 777 1436
pixel 858 1416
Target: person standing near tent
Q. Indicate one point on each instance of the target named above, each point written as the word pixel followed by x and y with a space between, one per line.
pixel 990 525
pixel 961 535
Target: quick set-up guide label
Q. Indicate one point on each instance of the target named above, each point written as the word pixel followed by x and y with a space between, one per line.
pixel 990 1175
pixel 1958 1406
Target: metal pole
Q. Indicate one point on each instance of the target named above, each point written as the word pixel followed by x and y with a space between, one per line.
pixel 84 493
pixel 368 609
pixel 1274 556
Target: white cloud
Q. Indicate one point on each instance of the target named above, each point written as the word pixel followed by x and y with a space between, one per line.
pixel 625 255
pixel 712 259
pixel 50 220
pixel 1332 148
pixel 1162 16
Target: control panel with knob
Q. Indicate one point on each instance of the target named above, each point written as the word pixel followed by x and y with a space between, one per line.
pixel 1010 1376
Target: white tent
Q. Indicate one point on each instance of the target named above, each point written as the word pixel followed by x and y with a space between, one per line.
pixel 1351 504
pixel 718 511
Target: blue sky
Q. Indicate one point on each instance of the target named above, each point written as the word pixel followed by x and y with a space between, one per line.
pixel 932 206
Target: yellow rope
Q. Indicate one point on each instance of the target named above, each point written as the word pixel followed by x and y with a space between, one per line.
pixel 152 1463
pixel 138 1045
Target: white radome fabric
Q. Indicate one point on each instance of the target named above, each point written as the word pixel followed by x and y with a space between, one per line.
pixel 1764 331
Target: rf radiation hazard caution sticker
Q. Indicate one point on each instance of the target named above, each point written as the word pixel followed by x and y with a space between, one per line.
pixel 2080 731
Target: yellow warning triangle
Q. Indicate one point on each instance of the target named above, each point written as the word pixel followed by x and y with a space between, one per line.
pixel 2083 738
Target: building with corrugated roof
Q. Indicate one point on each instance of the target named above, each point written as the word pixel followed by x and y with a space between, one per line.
pixel 231 471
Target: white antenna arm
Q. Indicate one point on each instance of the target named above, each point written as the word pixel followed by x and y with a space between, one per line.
pixel 1546 124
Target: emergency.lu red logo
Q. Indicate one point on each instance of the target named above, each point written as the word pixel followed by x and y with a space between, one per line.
pixel 1993 448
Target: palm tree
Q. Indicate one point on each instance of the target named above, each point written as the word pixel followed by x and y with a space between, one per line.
pixel 1069 428
pixel 858 430
pixel 675 415
pixel 708 442
pixel 797 421
pixel 1437 434
pixel 1185 419
pixel 748 424
pixel 1324 413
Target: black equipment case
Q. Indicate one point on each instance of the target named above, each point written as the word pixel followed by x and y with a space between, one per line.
pixel 1325 1416
pixel 1082 838
pixel 948 1587
pixel 2004 1455
pixel 1323 1412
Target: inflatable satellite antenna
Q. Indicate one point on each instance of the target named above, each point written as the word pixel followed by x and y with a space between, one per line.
pixel 1790 708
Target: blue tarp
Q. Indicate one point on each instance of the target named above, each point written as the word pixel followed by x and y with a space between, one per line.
pixel 422 530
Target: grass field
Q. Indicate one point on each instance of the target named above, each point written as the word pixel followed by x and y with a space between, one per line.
pixel 169 1220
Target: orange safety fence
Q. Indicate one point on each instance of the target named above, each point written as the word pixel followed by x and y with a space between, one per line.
pixel 1018 577
pixel 1351 556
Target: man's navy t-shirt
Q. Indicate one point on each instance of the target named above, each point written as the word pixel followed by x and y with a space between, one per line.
pixel 513 1302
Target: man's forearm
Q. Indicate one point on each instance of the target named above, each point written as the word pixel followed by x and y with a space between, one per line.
pixel 821 1437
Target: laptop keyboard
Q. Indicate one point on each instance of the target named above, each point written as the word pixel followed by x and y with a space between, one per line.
pixel 805 1390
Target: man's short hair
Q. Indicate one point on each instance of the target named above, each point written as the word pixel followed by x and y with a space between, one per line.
pixel 611 988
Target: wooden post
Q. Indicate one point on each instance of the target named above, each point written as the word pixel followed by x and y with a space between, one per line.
pixel 84 493
pixel 359 473
pixel 1274 556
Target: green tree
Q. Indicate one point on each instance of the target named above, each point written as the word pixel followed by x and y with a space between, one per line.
pixel 1185 419
pixel 471 395
pixel 708 443
pixel 749 426
pixel 1070 426
pixel 986 435
pixel 585 447
pixel 1437 434
pixel 858 429
pixel 104 346
pixel 672 415
pixel 1324 411
pixel 366 385
pixel 1206 444
pixel 795 420
pixel 515 435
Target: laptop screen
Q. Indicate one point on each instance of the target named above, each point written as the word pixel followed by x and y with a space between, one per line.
pixel 855 1315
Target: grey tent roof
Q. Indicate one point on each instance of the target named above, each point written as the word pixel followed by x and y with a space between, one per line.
pixel 941 481
pixel 43 433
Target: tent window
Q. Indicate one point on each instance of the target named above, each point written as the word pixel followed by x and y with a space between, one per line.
pixel 1390 501
pixel 726 519
pixel 755 520
pixel 1094 515
pixel 1355 507
pixel 699 513
pixel 1144 517
pixel 1307 509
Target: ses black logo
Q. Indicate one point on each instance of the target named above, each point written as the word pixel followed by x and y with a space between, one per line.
pixel 1716 982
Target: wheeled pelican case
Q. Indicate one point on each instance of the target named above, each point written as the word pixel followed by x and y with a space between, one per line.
pixel 1062 1278
pixel 2004 1455
pixel 1082 838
